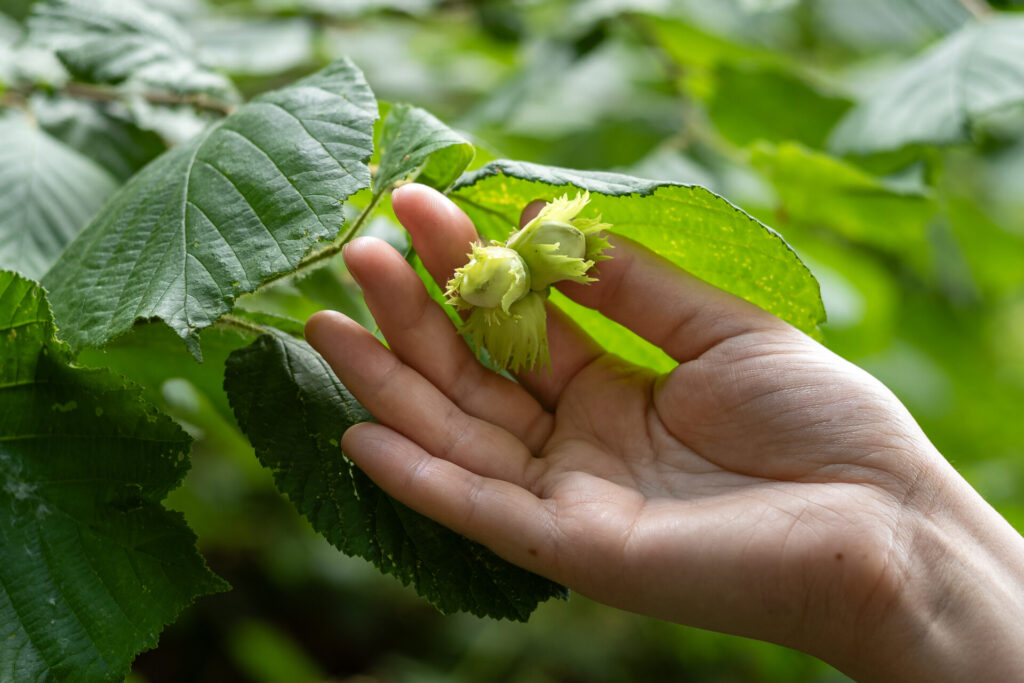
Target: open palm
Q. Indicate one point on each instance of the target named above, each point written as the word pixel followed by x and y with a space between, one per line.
pixel 756 489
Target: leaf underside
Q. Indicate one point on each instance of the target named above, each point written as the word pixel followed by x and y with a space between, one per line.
pixel 295 411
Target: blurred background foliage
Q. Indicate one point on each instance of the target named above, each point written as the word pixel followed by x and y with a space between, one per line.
pixel 883 138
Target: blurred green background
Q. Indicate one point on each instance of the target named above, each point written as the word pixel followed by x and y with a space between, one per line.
pixel 918 246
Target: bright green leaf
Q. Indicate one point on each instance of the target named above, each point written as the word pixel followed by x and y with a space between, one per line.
pixel 692 227
pixel 48 192
pixel 417 146
pixel 295 411
pixel 941 96
pixel 93 565
pixel 217 217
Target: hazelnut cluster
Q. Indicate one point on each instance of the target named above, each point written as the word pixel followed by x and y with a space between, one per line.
pixel 504 285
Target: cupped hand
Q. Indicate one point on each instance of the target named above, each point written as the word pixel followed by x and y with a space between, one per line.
pixel 759 488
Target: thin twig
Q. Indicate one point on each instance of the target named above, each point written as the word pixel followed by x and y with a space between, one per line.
pixel 107 93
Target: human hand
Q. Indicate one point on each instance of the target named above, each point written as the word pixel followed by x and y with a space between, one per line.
pixel 765 487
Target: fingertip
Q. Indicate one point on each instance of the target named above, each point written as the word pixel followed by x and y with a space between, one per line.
pixel 366 256
pixel 357 438
pixel 405 197
pixel 317 324
pixel 424 212
pixel 323 326
pixel 530 211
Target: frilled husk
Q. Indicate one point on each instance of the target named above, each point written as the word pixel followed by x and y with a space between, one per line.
pixel 515 340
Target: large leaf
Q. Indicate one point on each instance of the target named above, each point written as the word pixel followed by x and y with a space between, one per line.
pixel 295 411
pixel 48 192
pixel 416 145
pixel 943 94
pixel 820 191
pixel 217 217
pixel 691 226
pixel 125 43
pixel 93 567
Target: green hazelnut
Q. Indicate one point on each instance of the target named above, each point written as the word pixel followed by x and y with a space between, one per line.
pixel 494 277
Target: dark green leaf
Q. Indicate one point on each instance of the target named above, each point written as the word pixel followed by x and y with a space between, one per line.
pixel 295 411
pixel 93 565
pixel 690 226
pixel 48 192
pixel 125 43
pixel 217 217
pixel 941 96
pixel 132 355
pixel 417 146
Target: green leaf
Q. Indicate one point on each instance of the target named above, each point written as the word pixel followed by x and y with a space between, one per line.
pixel 132 356
pixel 690 226
pixel 257 47
pixel 125 43
pixel 817 190
pixel 99 130
pixel 750 104
pixel 873 25
pixel 48 192
pixel 295 411
pixel 417 146
pixel 93 566
pixel 615 338
pixel 942 96
pixel 217 217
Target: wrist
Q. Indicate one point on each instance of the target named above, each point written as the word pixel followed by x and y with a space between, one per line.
pixel 956 609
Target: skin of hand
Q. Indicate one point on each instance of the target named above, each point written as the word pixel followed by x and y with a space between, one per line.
pixel 765 487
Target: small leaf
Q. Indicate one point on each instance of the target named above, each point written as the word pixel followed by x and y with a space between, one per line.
pixel 295 411
pixel 417 146
pixel 93 565
pixel 48 192
pixel 941 96
pixel 691 226
pixel 217 217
